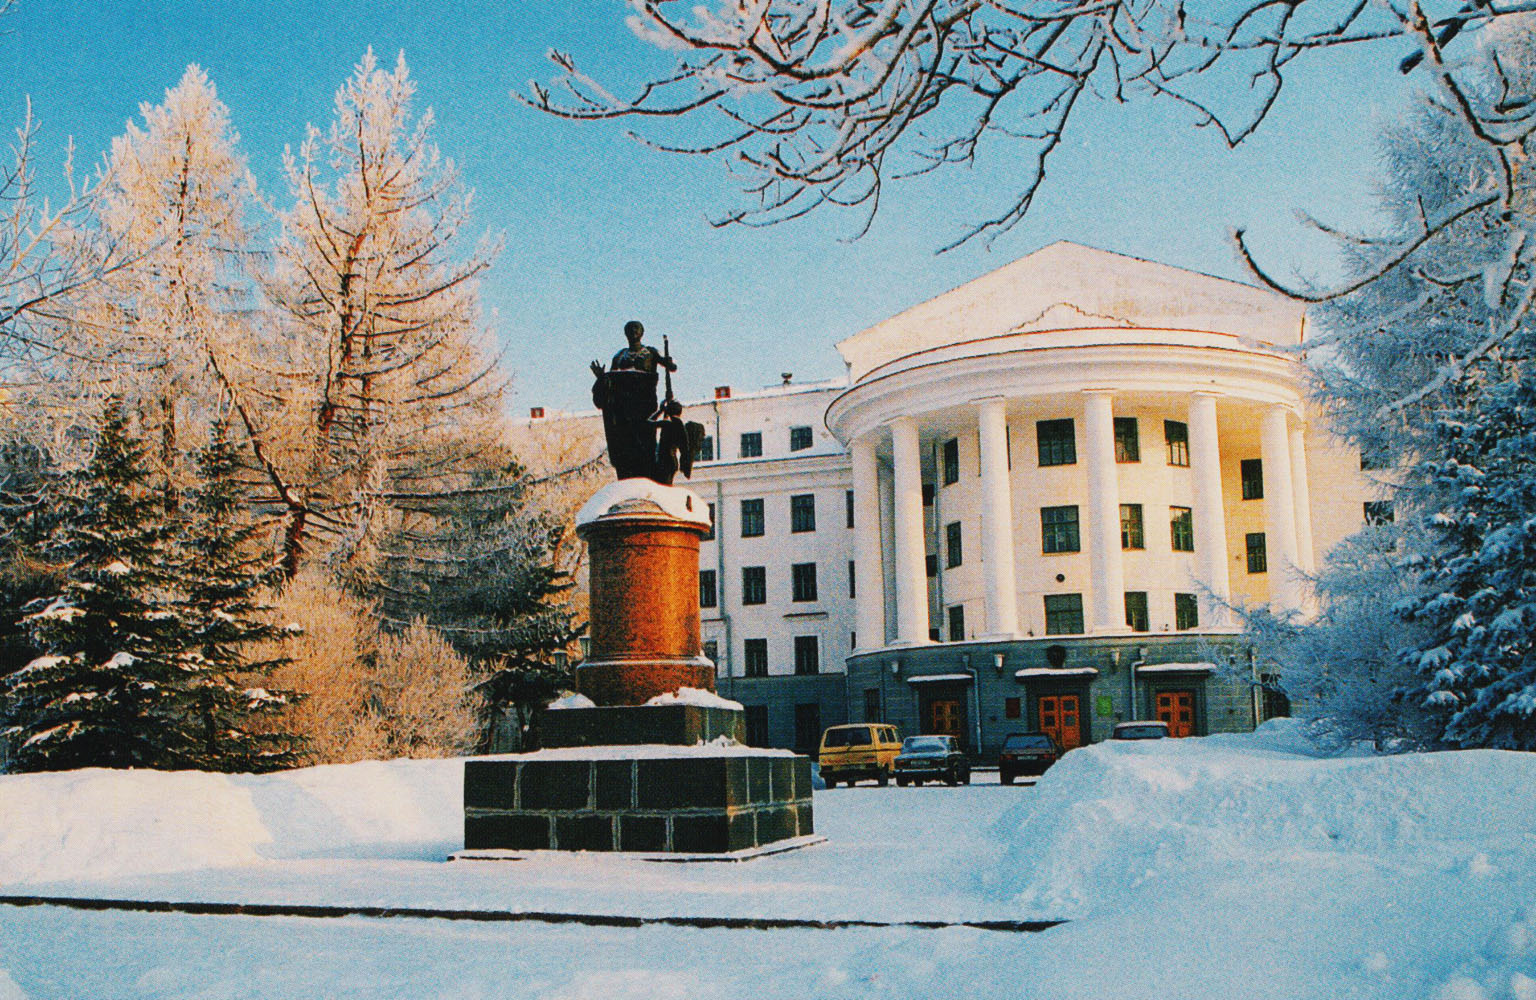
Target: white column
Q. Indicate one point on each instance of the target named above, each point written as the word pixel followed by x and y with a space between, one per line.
pixel 997 522
pixel 1303 496
pixel 887 483
pixel 1210 513
pixel 869 580
pixel 1279 510
pixel 911 572
pixel 1105 566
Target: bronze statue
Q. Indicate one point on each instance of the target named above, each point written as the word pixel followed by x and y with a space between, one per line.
pixel 626 393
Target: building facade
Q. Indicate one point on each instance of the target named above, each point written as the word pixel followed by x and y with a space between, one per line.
pixel 1028 507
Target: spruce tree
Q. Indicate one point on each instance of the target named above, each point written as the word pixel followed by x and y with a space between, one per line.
pixel 227 566
pixel 103 691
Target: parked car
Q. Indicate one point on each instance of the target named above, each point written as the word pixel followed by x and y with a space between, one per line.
pixel 1026 753
pixel 1150 729
pixel 858 752
pixel 925 758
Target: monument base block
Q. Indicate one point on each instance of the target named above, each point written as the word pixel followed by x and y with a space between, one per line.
pixel 674 725
pixel 673 800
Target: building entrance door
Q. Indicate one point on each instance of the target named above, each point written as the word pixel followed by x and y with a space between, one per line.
pixel 1177 708
pixel 1060 716
pixel 945 718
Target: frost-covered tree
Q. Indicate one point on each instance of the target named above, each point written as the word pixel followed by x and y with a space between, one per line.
pixel 382 307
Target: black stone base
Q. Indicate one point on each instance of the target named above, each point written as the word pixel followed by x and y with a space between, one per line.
pixel 693 804
pixel 673 725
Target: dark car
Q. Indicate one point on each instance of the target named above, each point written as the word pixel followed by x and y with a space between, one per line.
pixel 930 758
pixel 1152 729
pixel 1026 753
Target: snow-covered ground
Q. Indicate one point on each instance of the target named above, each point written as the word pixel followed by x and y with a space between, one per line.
pixel 1226 867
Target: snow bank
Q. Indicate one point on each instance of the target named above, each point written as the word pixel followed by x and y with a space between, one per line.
pixel 1113 820
pixel 98 823
pixel 695 696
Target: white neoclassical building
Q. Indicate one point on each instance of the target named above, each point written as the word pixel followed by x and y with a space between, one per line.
pixel 1028 506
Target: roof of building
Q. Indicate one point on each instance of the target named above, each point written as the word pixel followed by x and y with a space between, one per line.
pixel 1065 286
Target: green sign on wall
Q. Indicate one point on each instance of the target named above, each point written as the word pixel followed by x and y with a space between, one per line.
pixel 1104 705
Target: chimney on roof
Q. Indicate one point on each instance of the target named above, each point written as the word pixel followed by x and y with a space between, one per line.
pixel 536 413
pixel 722 392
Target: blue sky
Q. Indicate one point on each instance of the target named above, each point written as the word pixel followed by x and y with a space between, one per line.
pixel 600 230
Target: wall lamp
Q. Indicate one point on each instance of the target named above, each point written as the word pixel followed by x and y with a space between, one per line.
pixel 997 663
pixel 895 667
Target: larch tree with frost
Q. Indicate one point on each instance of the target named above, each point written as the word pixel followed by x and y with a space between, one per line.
pixel 382 306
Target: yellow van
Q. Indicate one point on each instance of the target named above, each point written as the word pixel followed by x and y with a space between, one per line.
pixel 853 753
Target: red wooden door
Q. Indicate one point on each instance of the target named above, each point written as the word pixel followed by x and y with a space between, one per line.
pixel 1177 708
pixel 944 717
pixel 1059 716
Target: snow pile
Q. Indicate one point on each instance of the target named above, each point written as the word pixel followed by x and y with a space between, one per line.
pixel 639 496
pixel 1116 820
pixel 99 823
pixel 695 696
pixel 572 701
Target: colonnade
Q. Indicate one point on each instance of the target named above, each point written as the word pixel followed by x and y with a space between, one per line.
pixel 897 537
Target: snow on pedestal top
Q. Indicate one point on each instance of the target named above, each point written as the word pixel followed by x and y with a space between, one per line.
pixel 632 496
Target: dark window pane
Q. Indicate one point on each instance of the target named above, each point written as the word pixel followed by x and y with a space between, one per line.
pixel 953 552
pixel 957 623
pixel 707 449
pixel 931 564
pixel 1012 708
pixel 755 658
pixel 848 502
pixel 1063 614
pixel 1181 526
pixel 754 585
pixel 1186 612
pixel 1177 435
pixel 1058 445
pixel 807 727
pixel 803 580
pixel 951 461
pixel 807 656
pixel 799 438
pixel 872 705
pixel 1253 478
pixel 752 444
pixel 927 494
pixel 853 581
pixel 1127 440
pixel 757 725
pixel 1258 560
pixel 1058 529
pixel 707 588
pixel 802 512
pixel 1131 534
pixel 1136 618
pixel 751 518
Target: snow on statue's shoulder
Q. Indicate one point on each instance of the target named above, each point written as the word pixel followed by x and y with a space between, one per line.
pixel 642 496
pixel 695 696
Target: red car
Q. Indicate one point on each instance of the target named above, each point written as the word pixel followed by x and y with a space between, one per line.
pixel 1026 753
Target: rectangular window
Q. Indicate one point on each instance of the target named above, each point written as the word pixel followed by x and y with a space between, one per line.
pixel 751 518
pixel 1136 618
pixel 757 725
pixel 1378 512
pixel 1258 560
pixel 707 449
pixel 951 462
pixel 1127 440
pixel 799 438
pixel 712 651
pixel 1253 478
pixel 1012 708
pixel 953 552
pixel 754 585
pixel 1058 529
pixel 707 593
pixel 754 658
pixel 1131 534
pixel 807 655
pixel 802 512
pixel 803 581
pixel 1186 612
pixel 927 494
pixel 853 580
pixel 931 565
pixel 957 623
pixel 1181 527
pixel 807 727
pixel 709 535
pixel 848 503
pixel 872 705
pixel 1058 444
pixel 1063 614
pixel 752 444
pixel 1176 433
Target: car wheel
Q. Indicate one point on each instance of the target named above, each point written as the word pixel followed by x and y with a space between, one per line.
pixel 1006 779
pixel 884 779
pixel 951 779
pixel 901 782
pixel 965 777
